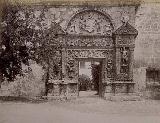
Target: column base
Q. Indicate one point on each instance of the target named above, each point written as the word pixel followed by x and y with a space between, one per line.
pixel 62 90
pixel 121 91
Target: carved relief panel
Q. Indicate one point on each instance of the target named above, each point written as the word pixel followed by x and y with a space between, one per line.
pixel 55 66
pixel 90 23
pixel 125 40
pixel 110 64
pixel 71 67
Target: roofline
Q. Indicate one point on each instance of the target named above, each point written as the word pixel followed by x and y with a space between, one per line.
pixel 116 32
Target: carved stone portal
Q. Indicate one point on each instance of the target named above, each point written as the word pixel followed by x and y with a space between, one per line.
pixel 89 35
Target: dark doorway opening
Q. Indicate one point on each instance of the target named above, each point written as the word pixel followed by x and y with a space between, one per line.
pixel 89 78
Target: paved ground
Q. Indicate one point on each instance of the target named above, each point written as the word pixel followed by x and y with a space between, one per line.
pixel 81 110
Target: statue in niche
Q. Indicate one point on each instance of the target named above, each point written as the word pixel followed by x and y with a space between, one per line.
pixel 71 69
pixel 124 60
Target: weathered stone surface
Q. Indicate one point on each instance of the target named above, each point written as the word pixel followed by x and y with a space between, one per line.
pixel 147 42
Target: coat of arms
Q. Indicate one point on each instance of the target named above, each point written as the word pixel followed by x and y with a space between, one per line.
pixel 88 24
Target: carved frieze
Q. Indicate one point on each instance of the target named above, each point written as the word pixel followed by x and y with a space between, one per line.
pixel 87 53
pixel 90 23
pixel 89 41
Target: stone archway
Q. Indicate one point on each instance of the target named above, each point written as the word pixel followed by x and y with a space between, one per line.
pixel 89 35
pixel 90 22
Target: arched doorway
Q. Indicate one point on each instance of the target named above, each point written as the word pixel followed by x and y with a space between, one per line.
pixel 90 77
pixel 89 38
pixel 90 35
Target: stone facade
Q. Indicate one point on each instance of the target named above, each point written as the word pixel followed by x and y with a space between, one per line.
pixel 146 54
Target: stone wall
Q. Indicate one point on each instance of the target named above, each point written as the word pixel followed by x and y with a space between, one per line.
pixel 140 79
pixel 147 50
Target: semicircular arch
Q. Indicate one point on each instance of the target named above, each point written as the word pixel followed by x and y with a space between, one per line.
pixel 90 22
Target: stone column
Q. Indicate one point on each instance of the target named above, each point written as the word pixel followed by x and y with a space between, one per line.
pixel 118 60
pixel 63 63
pixel 63 75
pixel 131 59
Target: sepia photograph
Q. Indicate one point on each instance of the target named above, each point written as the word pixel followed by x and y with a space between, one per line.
pixel 79 61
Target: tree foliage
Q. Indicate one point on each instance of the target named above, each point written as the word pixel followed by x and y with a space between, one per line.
pixel 11 54
pixel 25 36
pixel 84 82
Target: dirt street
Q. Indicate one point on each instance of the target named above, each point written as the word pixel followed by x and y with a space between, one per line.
pixel 81 110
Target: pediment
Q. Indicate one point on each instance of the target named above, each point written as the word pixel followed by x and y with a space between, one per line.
pixel 126 28
pixel 90 23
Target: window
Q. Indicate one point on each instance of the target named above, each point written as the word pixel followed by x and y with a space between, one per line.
pixel 153 75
